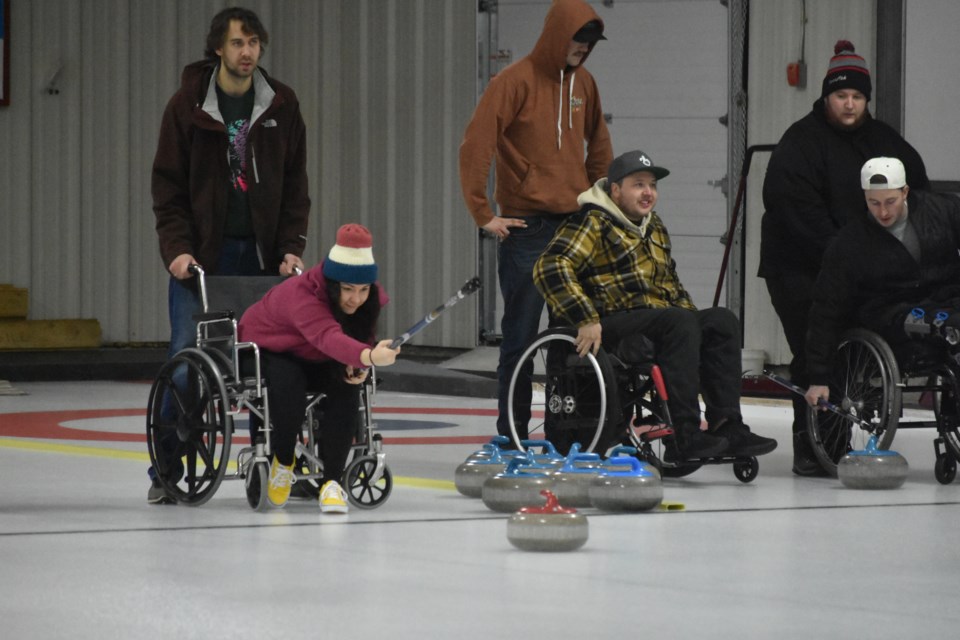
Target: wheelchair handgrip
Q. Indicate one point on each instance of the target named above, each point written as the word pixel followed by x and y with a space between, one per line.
pixel 213 315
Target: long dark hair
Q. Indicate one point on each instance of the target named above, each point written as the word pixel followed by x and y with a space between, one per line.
pixel 362 324
pixel 221 24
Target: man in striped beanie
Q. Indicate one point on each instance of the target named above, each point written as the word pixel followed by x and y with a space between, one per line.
pixel 812 188
pixel 847 70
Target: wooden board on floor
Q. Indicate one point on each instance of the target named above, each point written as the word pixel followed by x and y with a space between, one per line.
pixel 23 335
pixel 13 302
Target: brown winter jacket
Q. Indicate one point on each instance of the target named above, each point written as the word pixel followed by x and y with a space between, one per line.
pixel 190 171
pixel 534 117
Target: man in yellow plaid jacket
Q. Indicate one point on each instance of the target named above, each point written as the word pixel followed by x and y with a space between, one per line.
pixel 609 273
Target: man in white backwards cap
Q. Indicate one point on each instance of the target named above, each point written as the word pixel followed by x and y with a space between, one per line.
pixel 894 270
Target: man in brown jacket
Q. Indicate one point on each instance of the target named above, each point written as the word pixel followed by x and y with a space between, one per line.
pixel 533 119
pixel 229 177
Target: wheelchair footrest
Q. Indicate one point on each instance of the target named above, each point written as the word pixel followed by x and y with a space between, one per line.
pixel 656 434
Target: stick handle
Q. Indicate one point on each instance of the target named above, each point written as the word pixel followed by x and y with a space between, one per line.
pixel 826 404
pixel 471 286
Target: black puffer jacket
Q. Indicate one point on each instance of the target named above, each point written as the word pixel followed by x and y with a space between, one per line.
pixel 869 279
pixel 812 187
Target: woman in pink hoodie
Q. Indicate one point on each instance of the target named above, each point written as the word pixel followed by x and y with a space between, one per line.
pixel 318 332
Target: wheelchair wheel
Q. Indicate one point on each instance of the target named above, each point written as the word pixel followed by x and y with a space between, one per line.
pixel 567 399
pixel 746 470
pixel 865 383
pixel 945 469
pixel 364 490
pixel 946 409
pixel 256 485
pixel 188 427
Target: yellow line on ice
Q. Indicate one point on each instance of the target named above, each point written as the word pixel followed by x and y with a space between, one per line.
pixel 142 456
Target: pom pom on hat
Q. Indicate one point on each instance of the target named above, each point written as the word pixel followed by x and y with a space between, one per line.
pixel 847 70
pixel 351 258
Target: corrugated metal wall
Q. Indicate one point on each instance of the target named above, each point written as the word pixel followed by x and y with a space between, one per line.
pixel 386 88
pixel 775 36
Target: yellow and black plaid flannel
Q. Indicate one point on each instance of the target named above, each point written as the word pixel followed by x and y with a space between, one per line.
pixel 596 266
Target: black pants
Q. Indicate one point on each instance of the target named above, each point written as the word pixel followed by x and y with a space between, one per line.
pixel 698 353
pixel 792 297
pixel 289 379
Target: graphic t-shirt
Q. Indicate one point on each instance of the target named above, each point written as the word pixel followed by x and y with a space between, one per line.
pixel 236 117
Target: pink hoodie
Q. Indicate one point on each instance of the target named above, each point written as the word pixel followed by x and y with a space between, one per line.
pixel 295 317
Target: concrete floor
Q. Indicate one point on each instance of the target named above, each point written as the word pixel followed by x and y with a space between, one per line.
pixel 83 556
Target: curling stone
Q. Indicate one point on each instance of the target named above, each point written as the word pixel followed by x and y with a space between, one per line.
pixel 496 442
pixel 483 453
pixel 635 489
pixel 572 481
pixel 548 455
pixel 583 460
pixel 470 476
pixel 547 528
pixel 519 485
pixel 623 450
pixel 872 468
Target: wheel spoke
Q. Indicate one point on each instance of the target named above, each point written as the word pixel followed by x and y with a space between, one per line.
pixel 205 450
pixel 191 475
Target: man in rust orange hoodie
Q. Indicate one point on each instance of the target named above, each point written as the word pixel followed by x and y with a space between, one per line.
pixel 534 118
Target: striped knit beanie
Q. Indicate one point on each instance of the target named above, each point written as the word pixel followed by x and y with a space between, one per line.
pixel 847 71
pixel 351 258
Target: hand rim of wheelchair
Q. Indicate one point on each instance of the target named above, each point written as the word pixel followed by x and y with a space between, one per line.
pixel 360 492
pixel 214 453
pixel 548 335
pixel 865 380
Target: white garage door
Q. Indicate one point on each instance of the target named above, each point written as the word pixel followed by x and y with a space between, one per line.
pixel 662 74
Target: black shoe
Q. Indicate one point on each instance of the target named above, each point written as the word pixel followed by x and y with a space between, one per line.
pixel 808 468
pixel 156 494
pixel 805 463
pixel 695 444
pixel 742 441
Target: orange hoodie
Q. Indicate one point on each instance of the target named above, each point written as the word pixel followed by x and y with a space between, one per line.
pixel 535 116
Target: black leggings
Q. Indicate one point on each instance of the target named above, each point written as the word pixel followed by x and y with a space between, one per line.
pixel 289 379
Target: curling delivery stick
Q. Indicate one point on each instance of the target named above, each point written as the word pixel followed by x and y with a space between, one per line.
pixel 826 404
pixel 472 285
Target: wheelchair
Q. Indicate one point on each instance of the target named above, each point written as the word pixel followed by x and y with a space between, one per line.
pixel 868 382
pixel 197 395
pixel 601 401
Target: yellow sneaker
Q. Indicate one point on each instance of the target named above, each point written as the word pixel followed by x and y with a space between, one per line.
pixel 281 477
pixel 333 499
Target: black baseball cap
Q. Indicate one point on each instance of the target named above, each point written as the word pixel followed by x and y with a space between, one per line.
pixel 590 32
pixel 631 162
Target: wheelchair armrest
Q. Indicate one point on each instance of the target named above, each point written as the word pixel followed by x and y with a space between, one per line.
pixel 210 316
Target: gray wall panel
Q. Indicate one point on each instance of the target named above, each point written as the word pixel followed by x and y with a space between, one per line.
pixel 385 88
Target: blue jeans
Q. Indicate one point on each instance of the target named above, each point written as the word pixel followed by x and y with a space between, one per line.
pixel 237 258
pixel 522 307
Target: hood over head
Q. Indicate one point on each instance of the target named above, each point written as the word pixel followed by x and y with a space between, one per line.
pixel 564 19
